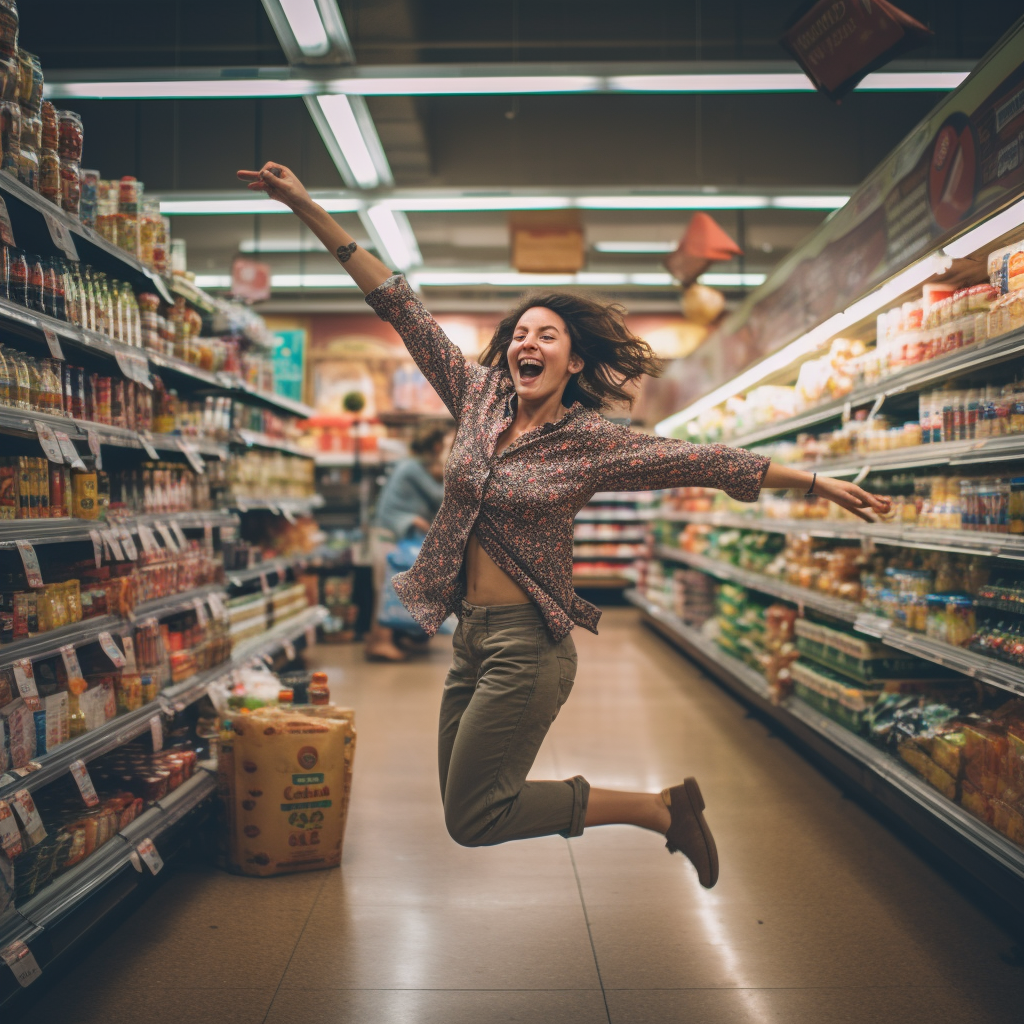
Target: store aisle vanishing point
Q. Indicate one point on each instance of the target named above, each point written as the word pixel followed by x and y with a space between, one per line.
pixel 821 914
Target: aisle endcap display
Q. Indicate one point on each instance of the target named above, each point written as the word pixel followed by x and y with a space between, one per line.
pixel 792 711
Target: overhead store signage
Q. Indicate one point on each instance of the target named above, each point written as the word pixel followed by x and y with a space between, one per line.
pixel 839 42
pixel 964 162
pixel 250 280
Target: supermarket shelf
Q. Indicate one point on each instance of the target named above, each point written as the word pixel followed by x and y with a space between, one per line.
pixel 943 453
pixel 975 357
pixel 71 891
pixel 591 515
pixel 272 567
pixel 839 609
pixel 587 581
pixel 77 634
pixel 186 520
pixel 274 639
pixel 275 401
pixel 330 460
pixel 992 859
pixel 585 556
pixel 977 666
pixel 161 606
pixel 254 439
pixel 186 369
pixel 968 542
pixel 71 531
pixel 109 736
pixel 280 506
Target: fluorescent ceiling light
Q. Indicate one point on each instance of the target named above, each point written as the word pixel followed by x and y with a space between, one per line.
pixel 913 80
pixel 251 245
pixel 635 247
pixel 809 202
pixel 476 85
pixel 810 342
pixel 785 81
pixel 208 207
pixel 481 204
pixel 732 280
pixel 197 89
pixel 514 279
pixel 312 281
pixel 987 232
pixel 341 120
pixel 213 280
pixel 673 202
pixel 307 26
pixel 392 236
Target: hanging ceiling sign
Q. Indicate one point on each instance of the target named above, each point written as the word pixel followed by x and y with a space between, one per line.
pixel 250 280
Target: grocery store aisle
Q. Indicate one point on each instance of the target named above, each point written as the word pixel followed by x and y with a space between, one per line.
pixel 821 915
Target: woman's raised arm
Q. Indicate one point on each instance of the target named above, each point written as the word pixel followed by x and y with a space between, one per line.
pixel 278 182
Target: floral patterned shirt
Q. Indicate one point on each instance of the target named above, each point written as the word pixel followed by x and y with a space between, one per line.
pixel 522 503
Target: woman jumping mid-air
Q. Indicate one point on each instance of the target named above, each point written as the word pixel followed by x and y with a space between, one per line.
pixel 530 451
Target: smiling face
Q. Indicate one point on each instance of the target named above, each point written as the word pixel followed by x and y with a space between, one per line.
pixel 540 356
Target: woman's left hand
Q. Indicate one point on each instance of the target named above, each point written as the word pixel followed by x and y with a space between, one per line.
pixel 851 497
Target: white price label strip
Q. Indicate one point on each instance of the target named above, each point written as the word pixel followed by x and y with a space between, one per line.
pixel 179 535
pixel 195 460
pixel 94 446
pixel 156 731
pixel 264 583
pixel 10 834
pixel 310 636
pixel 22 963
pixel 149 544
pixel 26 682
pixel 146 439
pixel 53 342
pixel 6 231
pixel 61 235
pixel 71 665
pixel 168 538
pixel 97 546
pixel 289 650
pixel 84 782
pixel 216 603
pixel 111 650
pixel 49 444
pixel 30 560
pixel 129 654
pixel 114 544
pixel 127 543
pixel 25 808
pixel 201 617
pixel 147 851
pixel 68 450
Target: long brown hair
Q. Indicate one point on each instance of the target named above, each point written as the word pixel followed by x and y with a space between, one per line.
pixel 612 355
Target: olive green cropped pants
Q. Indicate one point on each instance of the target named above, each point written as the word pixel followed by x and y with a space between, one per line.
pixel 508 680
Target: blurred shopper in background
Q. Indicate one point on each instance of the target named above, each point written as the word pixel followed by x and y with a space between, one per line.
pixel 407 505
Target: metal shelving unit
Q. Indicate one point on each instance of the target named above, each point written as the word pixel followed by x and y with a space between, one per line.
pixel 989 857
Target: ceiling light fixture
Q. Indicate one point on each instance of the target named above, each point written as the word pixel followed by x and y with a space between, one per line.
pixel 307 26
pixel 726 280
pixel 635 247
pixel 247 207
pixel 392 236
pixel 351 141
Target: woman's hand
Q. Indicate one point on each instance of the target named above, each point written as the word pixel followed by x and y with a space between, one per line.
pixel 851 497
pixel 279 183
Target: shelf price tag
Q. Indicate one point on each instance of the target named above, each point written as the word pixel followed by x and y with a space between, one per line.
pixel 146 439
pixel 25 678
pixel 94 446
pixel 310 636
pixel 147 851
pixel 68 450
pixel 179 535
pixel 288 514
pixel 25 808
pixel 129 654
pixel 130 550
pixel 264 583
pixel 113 543
pixel 289 650
pixel 30 560
pixel 84 782
pixel 49 443
pixel 156 732
pixel 111 650
pixel 216 603
pixel 195 460
pixel 6 231
pixel 201 617
pixel 76 681
pixel 61 235
pixel 10 834
pixel 53 342
pixel 147 540
pixel 22 963
pixel 208 536
pixel 168 538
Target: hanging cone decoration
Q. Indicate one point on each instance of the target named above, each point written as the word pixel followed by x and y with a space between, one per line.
pixel 703 243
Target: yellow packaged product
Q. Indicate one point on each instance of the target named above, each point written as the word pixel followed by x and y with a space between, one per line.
pixel 292 775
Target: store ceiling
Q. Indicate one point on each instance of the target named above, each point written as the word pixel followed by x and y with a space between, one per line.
pixel 680 143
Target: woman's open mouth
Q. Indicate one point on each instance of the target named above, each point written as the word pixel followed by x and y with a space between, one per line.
pixel 530 369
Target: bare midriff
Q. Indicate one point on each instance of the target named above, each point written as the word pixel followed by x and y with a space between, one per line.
pixel 486 584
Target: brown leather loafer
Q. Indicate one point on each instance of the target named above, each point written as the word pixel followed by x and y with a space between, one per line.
pixel 689 832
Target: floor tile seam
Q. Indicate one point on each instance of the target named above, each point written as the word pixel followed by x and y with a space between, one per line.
pixel 291 956
pixel 590 934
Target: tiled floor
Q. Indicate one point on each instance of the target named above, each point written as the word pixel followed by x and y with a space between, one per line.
pixel 820 916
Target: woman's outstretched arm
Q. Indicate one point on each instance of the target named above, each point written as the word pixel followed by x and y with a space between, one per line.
pixel 278 182
pixel 442 362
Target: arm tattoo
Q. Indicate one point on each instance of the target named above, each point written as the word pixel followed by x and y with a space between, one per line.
pixel 345 251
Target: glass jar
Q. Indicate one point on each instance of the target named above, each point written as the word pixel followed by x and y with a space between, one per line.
pixel 71 135
pixel 1016 508
pixel 28 168
pixel 961 620
pixel 49 176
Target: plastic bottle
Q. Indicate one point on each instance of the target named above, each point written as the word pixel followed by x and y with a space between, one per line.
pixel 319 691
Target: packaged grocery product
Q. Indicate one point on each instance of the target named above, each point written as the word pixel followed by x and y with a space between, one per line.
pixel 30 86
pixel 71 135
pixel 287 794
pixel 10 134
pixel 89 192
pixel 71 188
pixel 9 28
